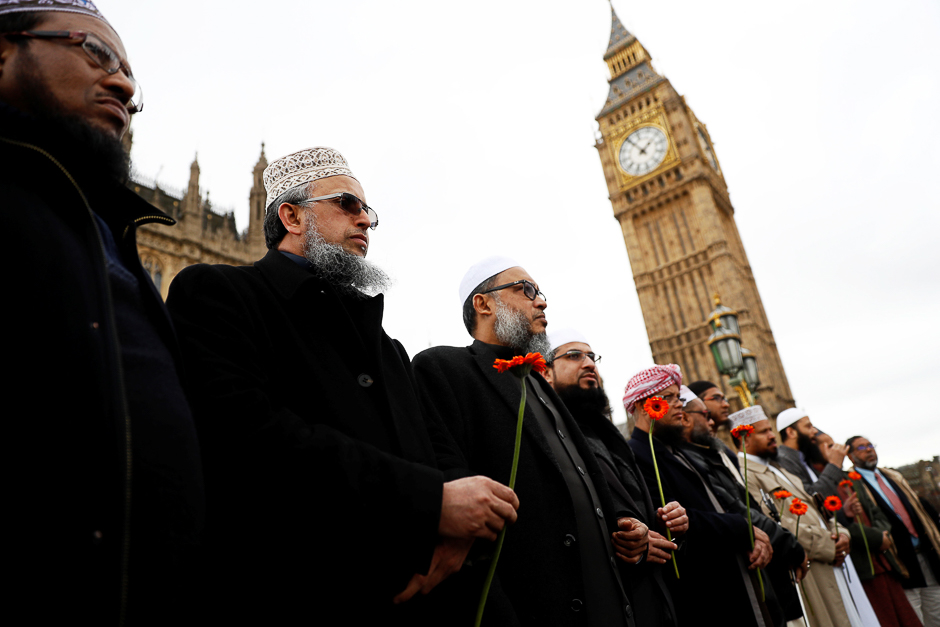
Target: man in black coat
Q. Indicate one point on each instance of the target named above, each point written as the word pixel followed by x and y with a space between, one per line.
pixel 557 565
pixel 640 542
pixel 331 490
pixel 107 497
pixel 716 547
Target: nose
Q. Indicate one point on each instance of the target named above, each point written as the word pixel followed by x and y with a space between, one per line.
pixel 120 85
pixel 539 302
pixel 362 220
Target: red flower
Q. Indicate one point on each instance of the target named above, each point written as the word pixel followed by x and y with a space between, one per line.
pixel 742 430
pixel 781 494
pixel 833 503
pixel 845 483
pixel 854 476
pixel 656 407
pixel 521 366
pixel 798 507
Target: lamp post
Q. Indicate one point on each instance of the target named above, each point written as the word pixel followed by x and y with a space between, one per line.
pixel 731 358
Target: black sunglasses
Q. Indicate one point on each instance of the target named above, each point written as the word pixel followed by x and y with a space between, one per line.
pixel 528 289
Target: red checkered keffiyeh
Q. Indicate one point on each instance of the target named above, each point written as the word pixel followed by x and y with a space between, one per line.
pixel 648 382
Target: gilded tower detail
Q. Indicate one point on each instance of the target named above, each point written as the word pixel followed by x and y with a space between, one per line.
pixel 669 195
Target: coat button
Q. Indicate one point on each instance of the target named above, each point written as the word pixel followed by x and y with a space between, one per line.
pixel 576 605
pixel 569 540
pixel 365 380
pixel 600 514
pixel 629 611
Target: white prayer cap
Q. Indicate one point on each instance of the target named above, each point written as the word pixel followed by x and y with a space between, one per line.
pixel 302 167
pixel 481 271
pixel 83 7
pixel 787 417
pixel 565 336
pixel 747 416
pixel 686 395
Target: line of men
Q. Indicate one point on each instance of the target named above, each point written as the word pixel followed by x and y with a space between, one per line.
pixel 260 450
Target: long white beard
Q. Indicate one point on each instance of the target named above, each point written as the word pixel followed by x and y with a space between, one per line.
pixel 513 329
pixel 343 270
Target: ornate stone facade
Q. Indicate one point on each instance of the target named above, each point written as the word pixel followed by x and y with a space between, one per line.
pixel 670 198
pixel 201 235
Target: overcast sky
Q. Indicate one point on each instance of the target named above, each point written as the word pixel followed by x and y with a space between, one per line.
pixel 471 127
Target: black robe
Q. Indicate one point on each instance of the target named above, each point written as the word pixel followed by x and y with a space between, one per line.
pixel 540 568
pixel 323 474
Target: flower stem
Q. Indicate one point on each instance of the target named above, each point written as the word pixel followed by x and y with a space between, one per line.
pixel 662 498
pixel 747 503
pixel 502 534
pixel 861 528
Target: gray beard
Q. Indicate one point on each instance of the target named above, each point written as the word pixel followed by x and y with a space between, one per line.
pixel 866 465
pixel 513 329
pixel 346 272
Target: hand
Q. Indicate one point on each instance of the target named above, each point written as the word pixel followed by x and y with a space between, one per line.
pixel 632 541
pixel 448 558
pixel 801 571
pixel 476 507
pixel 836 453
pixel 842 548
pixel 675 518
pixel 851 507
pixel 763 552
pixel 660 548
pixel 885 541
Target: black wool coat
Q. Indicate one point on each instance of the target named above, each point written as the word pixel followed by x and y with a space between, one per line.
pixel 706 555
pixel 324 475
pixel 540 567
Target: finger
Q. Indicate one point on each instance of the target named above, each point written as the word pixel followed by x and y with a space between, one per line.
pixel 504 493
pixel 626 524
pixel 505 511
pixel 413 586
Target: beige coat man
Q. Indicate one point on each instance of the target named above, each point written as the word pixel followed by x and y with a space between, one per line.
pixel 820 585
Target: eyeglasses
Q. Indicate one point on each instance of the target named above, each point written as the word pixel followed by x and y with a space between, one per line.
pixel 865 447
pixel 578 356
pixel 528 289
pixel 694 411
pixel 97 51
pixel 715 397
pixel 351 205
pixel 670 398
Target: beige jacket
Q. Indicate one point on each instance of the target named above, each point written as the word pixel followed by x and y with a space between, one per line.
pixel 822 591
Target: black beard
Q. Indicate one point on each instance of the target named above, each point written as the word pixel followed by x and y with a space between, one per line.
pixel 810 450
pixel 701 436
pixel 670 435
pixel 95 147
pixel 585 402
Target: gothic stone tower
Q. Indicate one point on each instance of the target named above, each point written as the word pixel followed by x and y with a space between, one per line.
pixel 670 197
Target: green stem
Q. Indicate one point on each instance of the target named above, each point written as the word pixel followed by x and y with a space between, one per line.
pixel 861 528
pixel 502 534
pixel 747 503
pixel 662 498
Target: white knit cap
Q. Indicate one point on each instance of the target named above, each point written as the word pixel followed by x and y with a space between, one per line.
pixel 565 336
pixel 787 417
pixel 686 395
pixel 747 416
pixel 481 271
pixel 302 167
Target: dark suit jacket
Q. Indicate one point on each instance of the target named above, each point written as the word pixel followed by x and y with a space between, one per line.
pixel 540 566
pixel 902 539
pixel 707 551
pixel 322 478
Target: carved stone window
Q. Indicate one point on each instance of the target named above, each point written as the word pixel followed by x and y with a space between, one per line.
pixel 154 268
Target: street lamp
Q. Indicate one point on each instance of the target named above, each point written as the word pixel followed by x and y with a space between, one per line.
pixel 731 358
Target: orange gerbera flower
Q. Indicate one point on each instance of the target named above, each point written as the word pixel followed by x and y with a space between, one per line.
pixel 656 407
pixel 854 476
pixel 742 430
pixel 798 507
pixel 833 503
pixel 782 494
pixel 521 366
pixel 845 483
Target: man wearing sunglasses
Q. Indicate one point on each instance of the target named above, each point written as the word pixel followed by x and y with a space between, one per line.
pixel 109 458
pixel 329 484
pixel 557 565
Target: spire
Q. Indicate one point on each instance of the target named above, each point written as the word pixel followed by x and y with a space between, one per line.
pixel 620 37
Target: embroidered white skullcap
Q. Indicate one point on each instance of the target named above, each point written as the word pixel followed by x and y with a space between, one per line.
pixel 84 7
pixel 686 395
pixel 481 271
pixel 787 417
pixel 565 336
pixel 747 416
pixel 302 167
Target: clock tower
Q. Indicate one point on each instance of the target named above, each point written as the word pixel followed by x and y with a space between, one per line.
pixel 671 200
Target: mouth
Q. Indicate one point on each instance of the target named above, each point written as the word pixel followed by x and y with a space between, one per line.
pixel 590 376
pixel 115 107
pixel 360 239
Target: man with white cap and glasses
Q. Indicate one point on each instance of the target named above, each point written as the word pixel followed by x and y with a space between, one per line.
pixel 557 565
pixel 110 502
pixel 329 484
pixel 796 433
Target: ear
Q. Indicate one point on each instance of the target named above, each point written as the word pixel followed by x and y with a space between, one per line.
pixel 481 305
pixel 549 376
pixel 291 218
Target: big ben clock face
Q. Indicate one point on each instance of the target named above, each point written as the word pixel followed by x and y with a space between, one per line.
pixel 643 150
